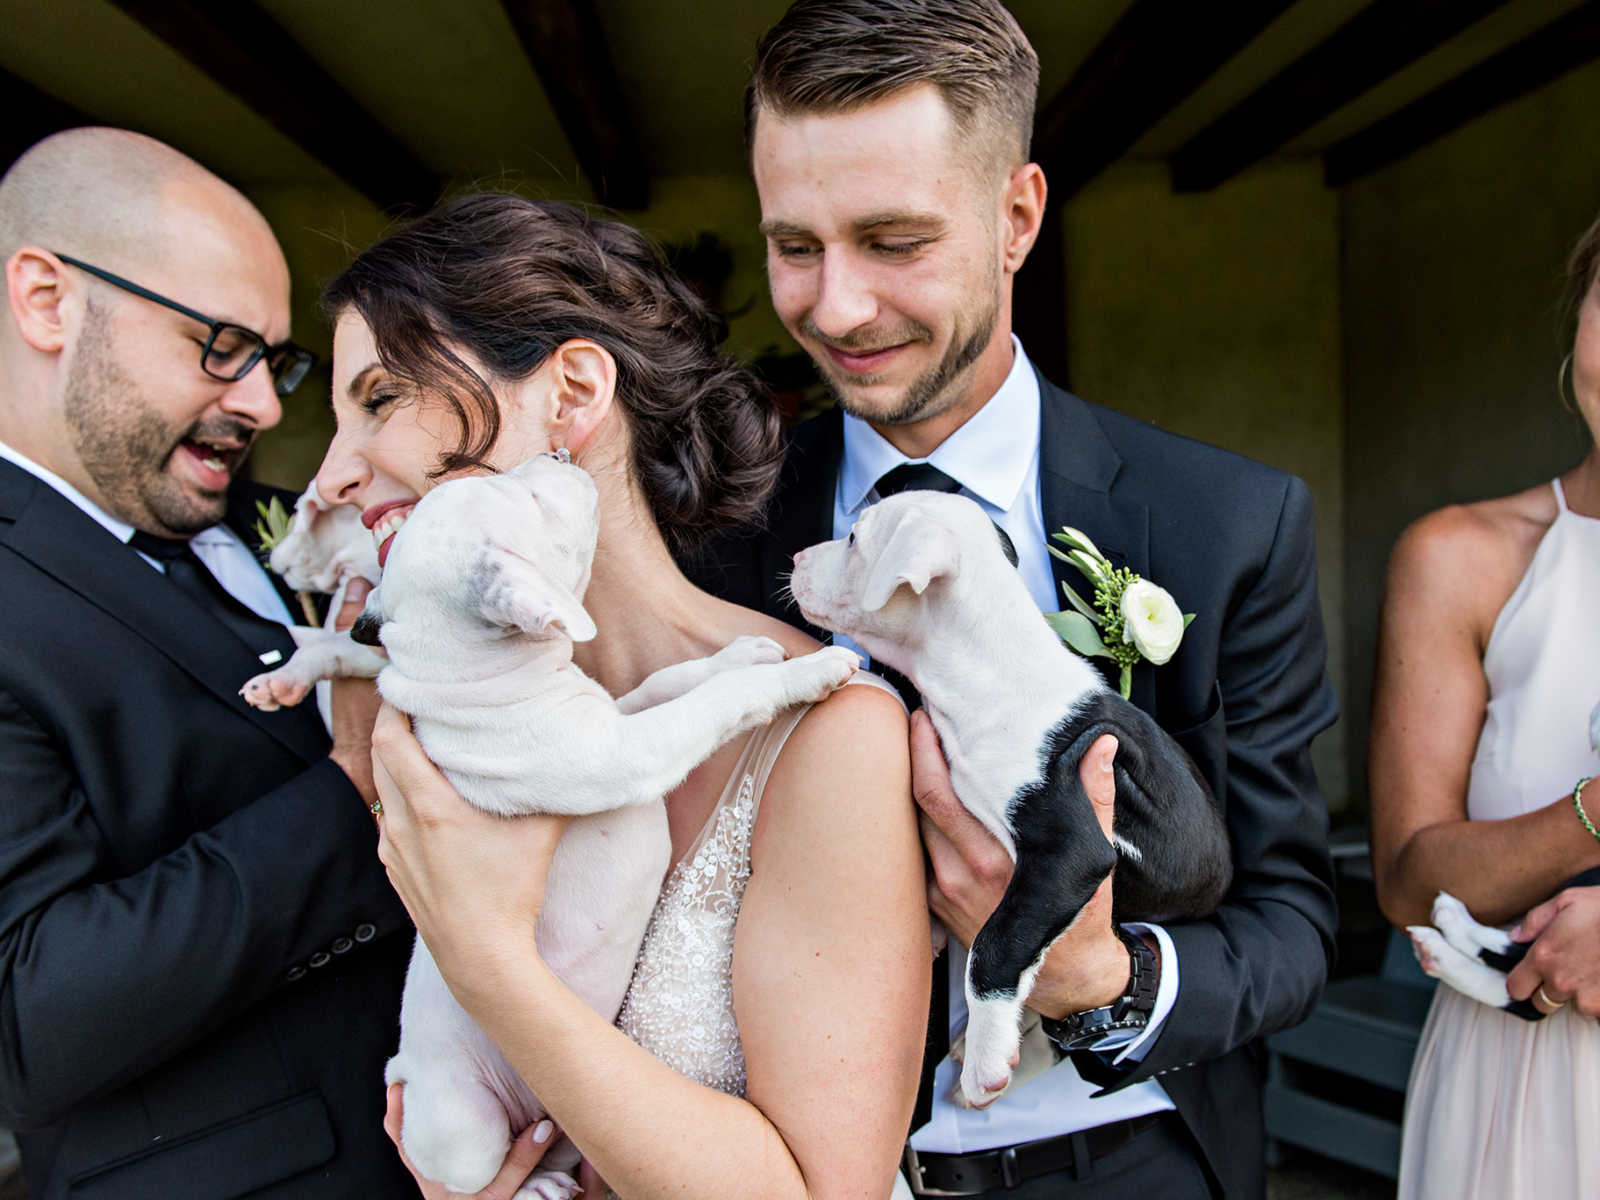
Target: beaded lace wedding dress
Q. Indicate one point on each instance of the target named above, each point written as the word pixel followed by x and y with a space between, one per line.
pixel 680 1003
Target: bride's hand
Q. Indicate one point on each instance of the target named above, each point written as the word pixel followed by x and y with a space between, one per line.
pixel 525 1154
pixel 473 882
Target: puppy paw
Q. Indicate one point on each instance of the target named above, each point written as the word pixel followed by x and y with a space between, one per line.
pixel 979 1088
pixel 748 651
pixel 1458 970
pixel 822 672
pixel 275 690
pixel 548 1185
pixel 1451 918
pixel 1427 943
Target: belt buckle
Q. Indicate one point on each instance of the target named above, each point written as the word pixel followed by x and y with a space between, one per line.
pixel 914 1173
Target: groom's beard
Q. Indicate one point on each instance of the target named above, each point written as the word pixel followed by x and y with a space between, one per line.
pixel 936 390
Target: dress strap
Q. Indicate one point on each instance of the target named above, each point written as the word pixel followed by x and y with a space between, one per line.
pixel 768 743
pixel 1561 495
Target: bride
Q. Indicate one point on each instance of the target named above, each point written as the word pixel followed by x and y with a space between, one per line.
pixel 785 974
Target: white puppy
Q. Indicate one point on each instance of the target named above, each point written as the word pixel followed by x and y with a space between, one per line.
pixel 923 585
pixel 325 549
pixel 479 606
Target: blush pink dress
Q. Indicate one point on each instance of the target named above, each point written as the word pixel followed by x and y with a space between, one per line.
pixel 1499 1108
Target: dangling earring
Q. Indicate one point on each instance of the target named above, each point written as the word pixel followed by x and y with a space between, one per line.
pixel 1561 384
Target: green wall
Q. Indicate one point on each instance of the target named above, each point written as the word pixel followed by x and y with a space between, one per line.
pixel 1452 265
pixel 1217 316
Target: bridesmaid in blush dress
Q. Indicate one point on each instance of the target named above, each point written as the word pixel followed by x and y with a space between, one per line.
pixel 1488 669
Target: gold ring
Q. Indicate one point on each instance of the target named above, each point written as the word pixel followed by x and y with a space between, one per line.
pixel 376 809
pixel 1545 996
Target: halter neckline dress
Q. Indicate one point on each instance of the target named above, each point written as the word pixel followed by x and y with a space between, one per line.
pixel 1499 1108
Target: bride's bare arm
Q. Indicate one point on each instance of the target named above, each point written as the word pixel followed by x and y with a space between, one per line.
pixel 831 970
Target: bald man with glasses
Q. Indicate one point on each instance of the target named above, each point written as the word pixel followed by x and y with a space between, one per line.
pixel 200 956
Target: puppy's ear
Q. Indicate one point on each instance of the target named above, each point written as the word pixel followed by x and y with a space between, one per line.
pixel 916 555
pixel 516 593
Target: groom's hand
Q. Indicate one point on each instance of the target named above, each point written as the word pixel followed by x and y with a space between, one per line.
pixel 1088 966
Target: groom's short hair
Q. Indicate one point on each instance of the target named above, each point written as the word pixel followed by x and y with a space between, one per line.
pixel 830 56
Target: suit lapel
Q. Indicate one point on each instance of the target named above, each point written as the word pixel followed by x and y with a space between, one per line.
pixel 803 513
pixel 1077 468
pixel 72 548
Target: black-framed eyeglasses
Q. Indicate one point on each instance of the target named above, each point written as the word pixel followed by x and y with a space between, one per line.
pixel 231 351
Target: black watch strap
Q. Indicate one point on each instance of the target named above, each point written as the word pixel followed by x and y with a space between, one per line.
pixel 1131 1010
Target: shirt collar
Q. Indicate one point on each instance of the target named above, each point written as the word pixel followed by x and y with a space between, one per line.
pixel 991 455
pixel 120 530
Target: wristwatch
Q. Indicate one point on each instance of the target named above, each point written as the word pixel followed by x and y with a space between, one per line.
pixel 1131 1010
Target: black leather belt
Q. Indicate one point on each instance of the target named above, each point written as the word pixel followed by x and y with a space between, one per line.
pixel 933 1174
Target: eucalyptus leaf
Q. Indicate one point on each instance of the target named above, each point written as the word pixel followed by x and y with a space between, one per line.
pixel 274 525
pixel 1078 603
pixel 1079 632
pixel 1187 617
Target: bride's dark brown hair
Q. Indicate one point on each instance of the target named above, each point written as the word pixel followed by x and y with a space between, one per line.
pixel 507 280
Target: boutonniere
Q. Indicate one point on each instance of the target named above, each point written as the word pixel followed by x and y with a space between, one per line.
pixel 1131 618
pixel 271 528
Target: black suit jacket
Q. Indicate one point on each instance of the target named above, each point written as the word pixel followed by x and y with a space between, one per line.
pixel 200 956
pixel 1232 540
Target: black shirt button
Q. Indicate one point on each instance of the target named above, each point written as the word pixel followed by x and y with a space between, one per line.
pixel 342 945
pixel 296 973
pixel 320 959
pixel 366 931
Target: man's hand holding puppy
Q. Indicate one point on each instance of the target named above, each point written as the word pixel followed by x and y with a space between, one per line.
pixel 1088 966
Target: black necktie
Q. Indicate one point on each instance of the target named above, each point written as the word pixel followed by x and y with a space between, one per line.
pixel 915 477
pixel 925 477
pixel 184 568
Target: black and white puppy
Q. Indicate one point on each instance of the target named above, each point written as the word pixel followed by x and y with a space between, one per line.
pixel 922 584
pixel 1475 959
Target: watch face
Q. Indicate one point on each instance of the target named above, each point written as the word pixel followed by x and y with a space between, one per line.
pixel 1131 1010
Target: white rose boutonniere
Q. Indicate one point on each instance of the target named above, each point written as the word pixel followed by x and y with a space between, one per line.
pixel 1131 618
pixel 1151 621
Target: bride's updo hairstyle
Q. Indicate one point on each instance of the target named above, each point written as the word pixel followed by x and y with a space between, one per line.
pixel 506 281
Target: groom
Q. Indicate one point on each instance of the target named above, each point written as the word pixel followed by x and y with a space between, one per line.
pixel 889 142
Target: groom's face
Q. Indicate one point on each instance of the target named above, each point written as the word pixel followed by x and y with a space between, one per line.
pixel 885 255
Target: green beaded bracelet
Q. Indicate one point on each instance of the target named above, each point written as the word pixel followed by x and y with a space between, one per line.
pixel 1577 803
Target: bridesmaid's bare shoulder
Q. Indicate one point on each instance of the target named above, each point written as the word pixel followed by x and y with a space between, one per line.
pixel 1465 560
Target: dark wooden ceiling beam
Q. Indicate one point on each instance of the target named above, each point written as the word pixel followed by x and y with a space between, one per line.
pixel 30 115
pixel 1367 49
pixel 1153 57
pixel 1569 42
pixel 566 45
pixel 244 51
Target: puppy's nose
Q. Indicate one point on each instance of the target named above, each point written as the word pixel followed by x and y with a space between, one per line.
pixel 366 630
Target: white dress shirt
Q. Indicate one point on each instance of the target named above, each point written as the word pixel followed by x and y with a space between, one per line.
pixel 995 458
pixel 219 548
